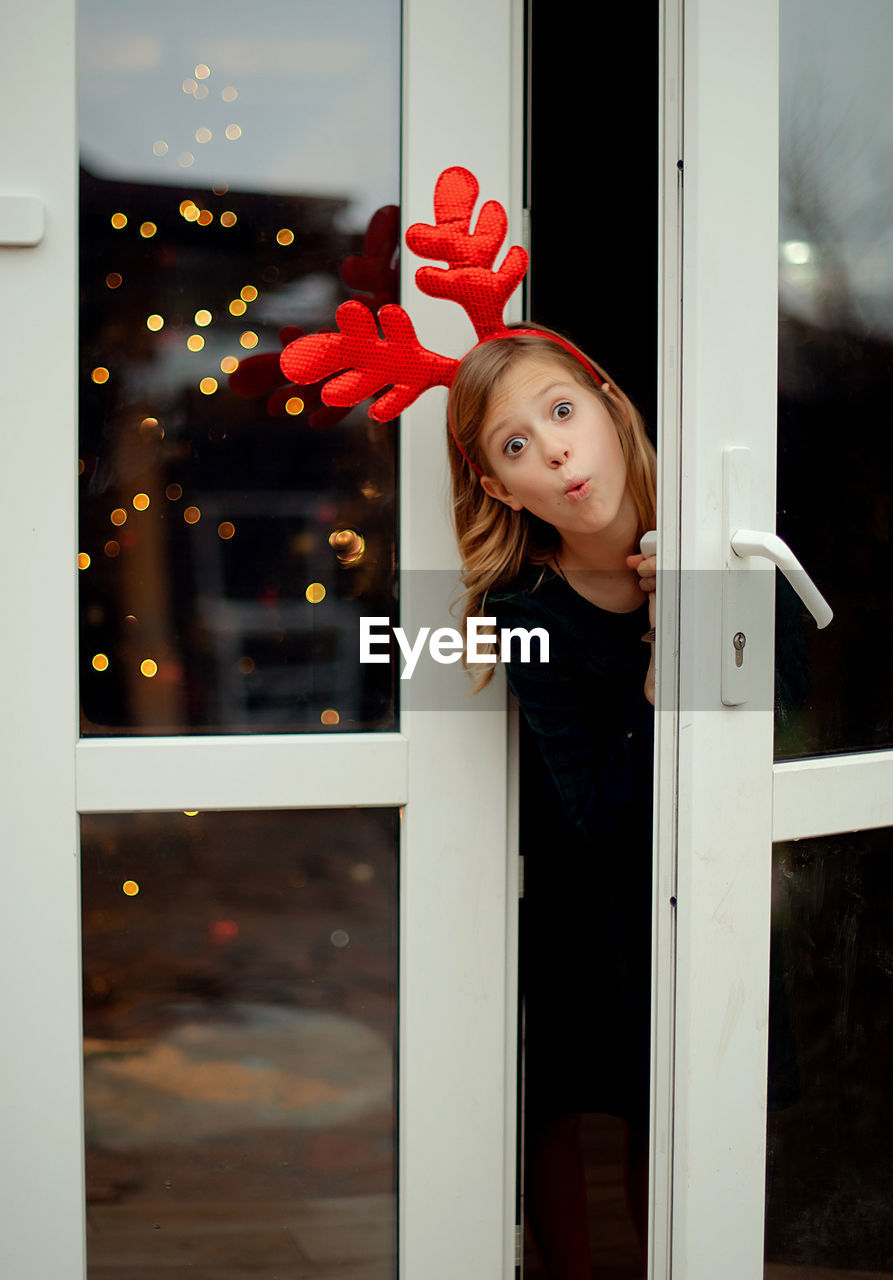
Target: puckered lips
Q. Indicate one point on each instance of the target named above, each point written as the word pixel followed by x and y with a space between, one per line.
pixel 577 489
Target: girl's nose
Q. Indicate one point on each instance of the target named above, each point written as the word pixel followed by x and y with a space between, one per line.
pixel 556 450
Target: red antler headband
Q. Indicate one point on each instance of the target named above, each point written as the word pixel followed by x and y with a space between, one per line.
pixel 364 362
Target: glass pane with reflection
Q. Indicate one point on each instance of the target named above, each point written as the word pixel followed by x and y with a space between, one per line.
pixel 239 179
pixel 835 459
pixel 830 1138
pixel 240 997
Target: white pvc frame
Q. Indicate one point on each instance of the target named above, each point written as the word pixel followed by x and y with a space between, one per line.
pixel 447 770
pixel 732 801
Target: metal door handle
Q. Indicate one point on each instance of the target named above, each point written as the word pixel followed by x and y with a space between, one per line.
pixel 746 593
pixel 753 542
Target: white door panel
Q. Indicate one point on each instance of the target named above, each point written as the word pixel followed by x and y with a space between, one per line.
pixel 733 802
pixel 446 770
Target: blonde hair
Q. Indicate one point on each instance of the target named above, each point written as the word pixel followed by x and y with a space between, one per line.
pixel 495 542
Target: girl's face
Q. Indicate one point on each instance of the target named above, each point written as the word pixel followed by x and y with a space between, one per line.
pixel 552 448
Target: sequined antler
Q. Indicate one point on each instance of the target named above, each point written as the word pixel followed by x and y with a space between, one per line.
pixel 365 363
pixel 359 362
pixel 469 278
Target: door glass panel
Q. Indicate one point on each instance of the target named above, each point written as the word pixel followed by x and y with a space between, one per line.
pixel 835 687
pixel 240 997
pixel 239 179
pixel 830 1138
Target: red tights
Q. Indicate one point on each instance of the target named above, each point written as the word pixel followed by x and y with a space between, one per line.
pixel 555 1194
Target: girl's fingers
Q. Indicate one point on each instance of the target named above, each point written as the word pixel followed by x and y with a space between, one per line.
pixel 646 567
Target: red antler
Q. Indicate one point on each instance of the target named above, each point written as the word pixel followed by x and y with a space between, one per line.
pixel 469 278
pixel 376 270
pixel 365 363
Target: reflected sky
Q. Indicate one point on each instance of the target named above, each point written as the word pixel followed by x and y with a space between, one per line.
pixel 836 134
pixel 309 109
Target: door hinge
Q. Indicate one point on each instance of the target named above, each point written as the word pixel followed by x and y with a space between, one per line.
pixel 22 221
pixel 521 875
pixel 519 1244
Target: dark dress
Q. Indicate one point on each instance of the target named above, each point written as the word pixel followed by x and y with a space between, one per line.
pixel 586 802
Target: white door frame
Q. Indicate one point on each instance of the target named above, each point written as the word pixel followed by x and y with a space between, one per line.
pixel 461 104
pixel 720 236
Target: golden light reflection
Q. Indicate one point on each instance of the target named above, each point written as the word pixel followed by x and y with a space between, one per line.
pixel 229 364
pixel 112 548
pixel 226 530
pixel 246 665
pixel 140 501
pixel 232 132
pixel 201 92
pixel 147 230
pixel 150 428
pixel 159 148
pixel 220 188
pixel 205 218
pixel 229 94
pixel 100 662
pixel 189 85
pixel 119 220
pixel 249 338
pixel 192 515
pixel 113 280
pixel 186 205
pixel 149 667
pixel 362 871
pixel 154 322
pixel 294 405
pixel 131 888
pixel 207 386
pixel 118 516
pixel 330 716
pixel 285 236
pixel 203 135
pixel 190 813
pixel 80 466
pixel 195 342
pixel 228 218
pixel 100 374
pixel 237 307
pixel 83 560
pixel 315 593
pixel 349 546
pixel 203 317
pixel 174 491
pixel 248 293
pixel 185 159
pixel 202 71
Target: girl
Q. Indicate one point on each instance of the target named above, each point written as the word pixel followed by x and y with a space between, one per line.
pixel 553 482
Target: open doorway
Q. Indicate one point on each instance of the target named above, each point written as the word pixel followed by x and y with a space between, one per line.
pixel 592 191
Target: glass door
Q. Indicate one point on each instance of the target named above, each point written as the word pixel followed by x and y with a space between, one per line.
pixel 776 224
pixel 296 1039
pixel 828 1152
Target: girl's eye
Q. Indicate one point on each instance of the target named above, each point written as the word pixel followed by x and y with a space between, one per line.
pixel 562 410
pixel 514 446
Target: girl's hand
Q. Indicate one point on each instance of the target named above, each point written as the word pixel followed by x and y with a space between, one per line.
pixel 646 567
